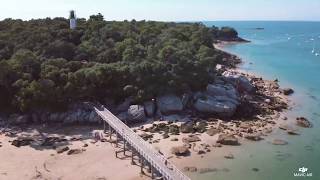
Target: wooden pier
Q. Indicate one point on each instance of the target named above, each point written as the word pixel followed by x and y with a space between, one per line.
pixel 159 166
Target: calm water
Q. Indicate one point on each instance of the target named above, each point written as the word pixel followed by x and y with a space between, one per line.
pixel 282 50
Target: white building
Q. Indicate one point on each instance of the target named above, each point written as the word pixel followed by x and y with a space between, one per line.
pixel 73 20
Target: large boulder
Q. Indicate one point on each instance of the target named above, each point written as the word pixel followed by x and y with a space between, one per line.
pixel 180 150
pixel 124 105
pixel 220 105
pixel 241 82
pixel 222 90
pixel 136 113
pixel 288 91
pixel 149 108
pixel 227 139
pixel 169 104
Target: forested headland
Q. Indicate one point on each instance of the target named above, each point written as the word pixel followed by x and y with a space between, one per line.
pixel 45 64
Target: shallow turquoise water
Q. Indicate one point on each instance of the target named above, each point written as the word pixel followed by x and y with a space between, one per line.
pixel 282 50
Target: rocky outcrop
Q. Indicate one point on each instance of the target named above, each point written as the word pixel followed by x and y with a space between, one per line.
pixel 136 113
pixel 287 91
pixel 220 105
pixel 169 104
pixel 238 81
pixel 226 90
pixel 227 139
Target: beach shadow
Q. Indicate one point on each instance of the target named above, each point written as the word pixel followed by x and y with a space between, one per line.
pixel 49 136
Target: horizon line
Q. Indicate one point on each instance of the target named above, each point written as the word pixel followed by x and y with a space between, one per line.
pixel 218 20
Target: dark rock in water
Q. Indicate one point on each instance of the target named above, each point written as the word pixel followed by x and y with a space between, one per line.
pixel 308 148
pixel 281 156
pixel 292 132
pixel 255 169
pixel 193 169
pixel 287 91
pixel 213 131
pixel 207 170
pixel 284 127
pixel 253 137
pixel 279 142
pixel 303 122
pixel 22 142
pixel 227 139
pixel 187 127
pixel 180 150
pixel 229 156
pixel 62 149
pixel 190 169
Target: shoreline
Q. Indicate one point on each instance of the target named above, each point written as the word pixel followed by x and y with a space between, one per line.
pixel 199 150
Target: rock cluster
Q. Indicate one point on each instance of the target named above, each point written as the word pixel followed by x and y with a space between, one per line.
pixel 180 150
pixel 303 122
pixel 227 139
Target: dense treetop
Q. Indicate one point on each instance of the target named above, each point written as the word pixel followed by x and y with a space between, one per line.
pixel 43 63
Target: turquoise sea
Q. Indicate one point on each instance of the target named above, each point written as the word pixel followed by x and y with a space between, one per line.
pixel 281 50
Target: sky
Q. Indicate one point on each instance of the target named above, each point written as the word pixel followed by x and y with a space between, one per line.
pixel 165 10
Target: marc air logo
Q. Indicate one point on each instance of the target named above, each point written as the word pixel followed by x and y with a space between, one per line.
pixel 303 172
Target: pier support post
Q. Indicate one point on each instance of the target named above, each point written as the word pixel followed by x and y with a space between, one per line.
pixel 124 147
pixel 132 155
pixel 152 172
pixel 141 165
pixel 110 132
pixel 116 139
pixel 104 127
pixel 149 168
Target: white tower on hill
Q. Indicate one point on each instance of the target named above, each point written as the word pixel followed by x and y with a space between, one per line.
pixel 73 21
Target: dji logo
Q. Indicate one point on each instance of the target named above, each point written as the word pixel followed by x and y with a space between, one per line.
pixel 303 169
pixel 302 172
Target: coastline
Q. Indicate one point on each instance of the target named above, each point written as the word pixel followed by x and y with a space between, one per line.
pixel 192 164
pixel 200 160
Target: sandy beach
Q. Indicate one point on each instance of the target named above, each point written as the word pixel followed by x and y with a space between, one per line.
pixel 96 161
